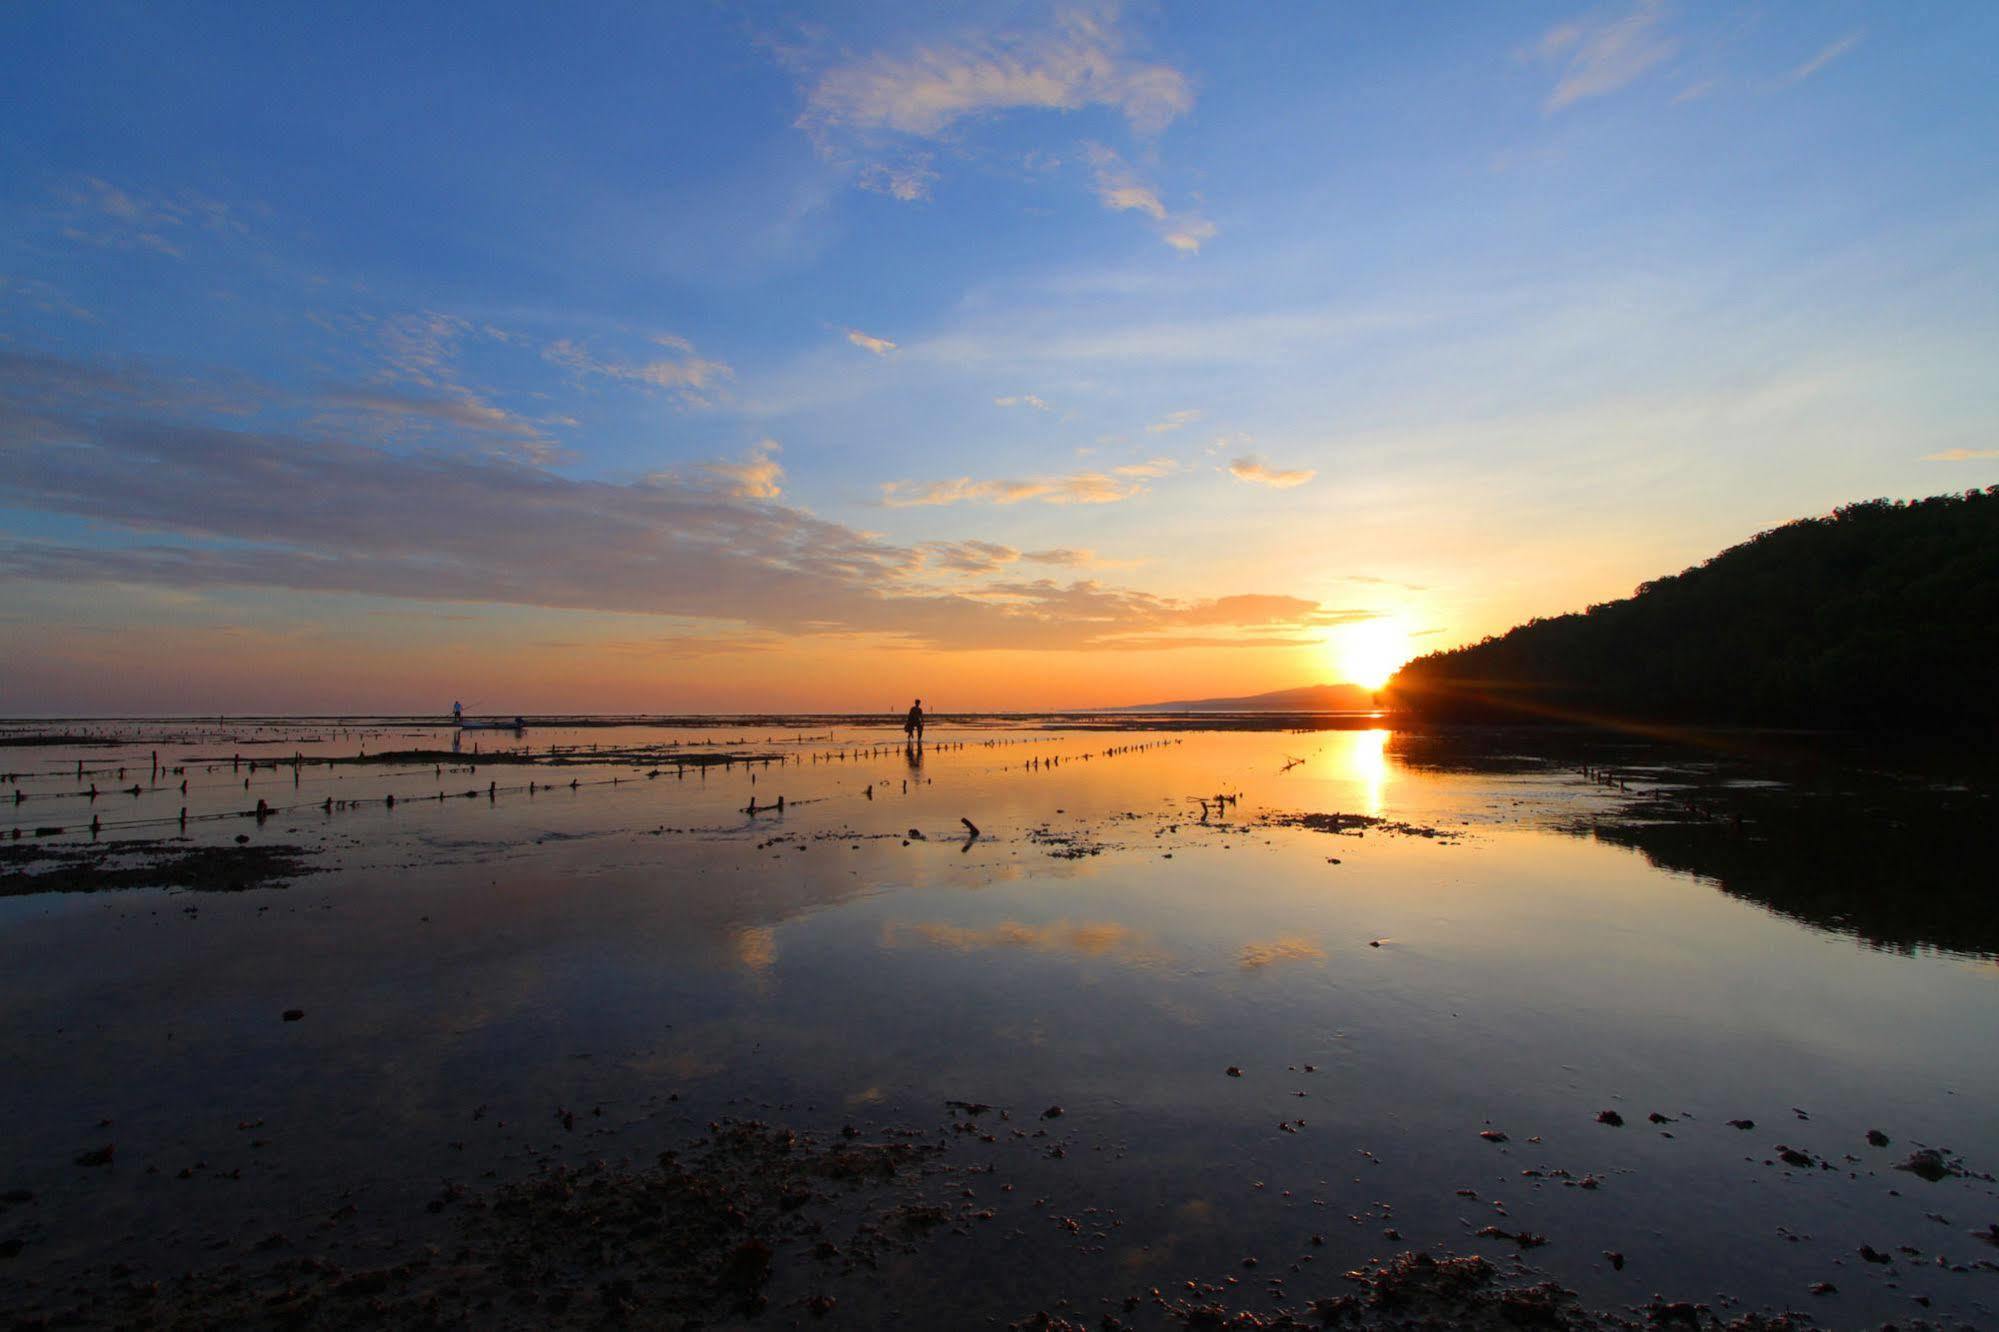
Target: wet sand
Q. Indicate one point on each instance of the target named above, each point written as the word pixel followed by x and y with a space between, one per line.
pixel 561 1035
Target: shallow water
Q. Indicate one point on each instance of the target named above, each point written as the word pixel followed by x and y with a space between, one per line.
pixel 471 965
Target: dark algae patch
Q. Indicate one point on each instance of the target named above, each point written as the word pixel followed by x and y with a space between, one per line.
pixel 1353 825
pixel 761 1225
pixel 707 1236
pixel 148 864
pixel 447 757
pixel 1411 1290
pixel 648 756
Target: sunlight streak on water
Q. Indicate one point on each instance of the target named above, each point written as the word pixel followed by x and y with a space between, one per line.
pixel 1366 761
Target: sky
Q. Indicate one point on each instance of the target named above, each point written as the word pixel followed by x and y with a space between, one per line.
pixel 681 357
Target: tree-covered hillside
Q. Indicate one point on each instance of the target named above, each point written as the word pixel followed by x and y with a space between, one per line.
pixel 1883 614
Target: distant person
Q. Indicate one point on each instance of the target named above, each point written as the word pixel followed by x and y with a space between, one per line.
pixel 912 725
pixel 457 714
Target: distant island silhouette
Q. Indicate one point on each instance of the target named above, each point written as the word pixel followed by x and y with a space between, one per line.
pixel 1881 615
pixel 1305 698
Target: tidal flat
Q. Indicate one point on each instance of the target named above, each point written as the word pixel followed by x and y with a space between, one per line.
pixel 1115 1022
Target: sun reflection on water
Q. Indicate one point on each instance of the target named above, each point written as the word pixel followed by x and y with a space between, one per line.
pixel 1367 767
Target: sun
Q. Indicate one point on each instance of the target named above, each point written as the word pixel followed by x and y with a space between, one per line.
pixel 1368 653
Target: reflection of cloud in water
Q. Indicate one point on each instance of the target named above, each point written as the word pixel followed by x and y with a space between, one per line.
pixel 1286 948
pixel 1090 938
pixel 867 1096
pixel 756 949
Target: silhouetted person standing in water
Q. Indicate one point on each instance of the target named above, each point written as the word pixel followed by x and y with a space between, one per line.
pixel 912 725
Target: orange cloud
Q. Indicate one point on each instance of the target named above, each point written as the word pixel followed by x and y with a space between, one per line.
pixel 1076 488
pixel 1252 469
pixel 756 477
pixel 870 343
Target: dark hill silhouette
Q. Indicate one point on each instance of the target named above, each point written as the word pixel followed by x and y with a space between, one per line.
pixel 1307 698
pixel 1883 614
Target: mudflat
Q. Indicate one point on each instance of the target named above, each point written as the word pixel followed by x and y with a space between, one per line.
pixel 1120 1022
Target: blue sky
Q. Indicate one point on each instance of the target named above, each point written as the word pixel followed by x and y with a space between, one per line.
pixel 701 356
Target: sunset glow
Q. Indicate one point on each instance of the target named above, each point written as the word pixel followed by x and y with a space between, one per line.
pixel 1368 653
pixel 1019 356
pixel 880 665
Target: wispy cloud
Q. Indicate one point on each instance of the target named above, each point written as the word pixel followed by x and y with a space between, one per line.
pixel 1189 234
pixel 101 213
pixel 967 557
pixel 1061 555
pixel 1075 488
pixel 1961 455
pixel 1021 400
pixel 1824 58
pixel 1256 608
pixel 868 342
pixel 1079 60
pixel 881 112
pixel 1174 421
pixel 422 348
pixel 1121 189
pixel 1601 56
pixel 757 476
pixel 1254 470
pixel 908 179
pixel 417 385
pixel 46 297
pixel 190 504
pixel 687 375
pixel 462 411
